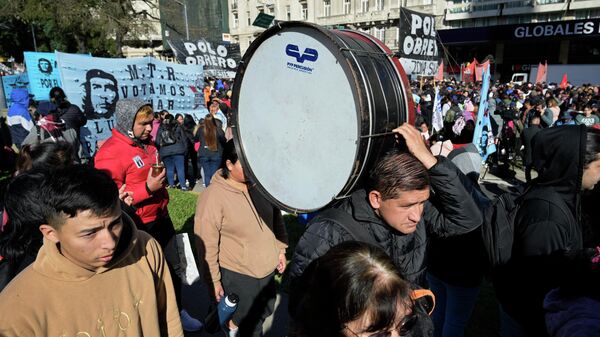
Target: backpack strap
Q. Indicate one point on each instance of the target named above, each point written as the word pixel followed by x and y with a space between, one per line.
pixel 348 223
pixel 425 296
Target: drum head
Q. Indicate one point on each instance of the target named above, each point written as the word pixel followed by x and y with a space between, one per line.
pixel 297 121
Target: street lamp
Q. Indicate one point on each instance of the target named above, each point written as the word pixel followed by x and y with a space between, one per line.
pixel 187 28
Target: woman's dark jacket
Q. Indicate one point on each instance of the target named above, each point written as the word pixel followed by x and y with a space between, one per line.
pixel 204 151
pixel 180 146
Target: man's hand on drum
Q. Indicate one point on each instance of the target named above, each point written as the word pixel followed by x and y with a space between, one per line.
pixel 416 144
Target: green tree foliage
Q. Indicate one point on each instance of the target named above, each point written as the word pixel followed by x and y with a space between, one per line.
pixel 99 27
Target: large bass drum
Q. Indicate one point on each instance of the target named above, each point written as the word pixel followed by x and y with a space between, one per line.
pixel 313 109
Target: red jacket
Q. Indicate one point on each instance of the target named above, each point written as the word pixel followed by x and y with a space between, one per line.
pixel 128 163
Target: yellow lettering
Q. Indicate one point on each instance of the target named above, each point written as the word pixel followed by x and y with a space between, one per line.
pixel 83 333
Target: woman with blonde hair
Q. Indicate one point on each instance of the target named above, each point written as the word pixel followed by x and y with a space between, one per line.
pixel 211 137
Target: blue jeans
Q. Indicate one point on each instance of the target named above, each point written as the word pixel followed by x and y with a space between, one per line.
pixel 210 164
pixel 453 307
pixel 172 163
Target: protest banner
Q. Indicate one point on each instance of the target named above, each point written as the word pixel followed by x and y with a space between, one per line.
pixel 483 137
pixel 96 84
pixel 10 82
pixel 219 59
pixel 43 74
pixel 419 53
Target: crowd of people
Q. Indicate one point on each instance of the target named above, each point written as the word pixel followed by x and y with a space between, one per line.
pixel 403 255
pixel 517 112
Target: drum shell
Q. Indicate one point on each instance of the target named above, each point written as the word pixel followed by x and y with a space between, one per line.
pixel 381 94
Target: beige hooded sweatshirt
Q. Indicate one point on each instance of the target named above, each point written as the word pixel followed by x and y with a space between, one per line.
pixel 131 296
pixel 232 234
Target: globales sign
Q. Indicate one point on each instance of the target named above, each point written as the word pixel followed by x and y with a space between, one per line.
pixel 574 29
pixel 557 29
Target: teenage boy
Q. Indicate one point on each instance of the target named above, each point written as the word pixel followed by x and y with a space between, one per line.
pixel 96 274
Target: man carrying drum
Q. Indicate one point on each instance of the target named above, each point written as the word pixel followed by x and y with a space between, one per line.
pixel 409 196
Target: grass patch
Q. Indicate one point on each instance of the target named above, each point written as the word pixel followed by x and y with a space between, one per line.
pixel 182 207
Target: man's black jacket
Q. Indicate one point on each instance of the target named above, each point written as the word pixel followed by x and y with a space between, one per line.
pixel 449 211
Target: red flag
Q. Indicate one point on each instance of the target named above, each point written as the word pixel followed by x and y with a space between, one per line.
pixel 563 83
pixel 542 73
pixel 440 72
pixel 469 71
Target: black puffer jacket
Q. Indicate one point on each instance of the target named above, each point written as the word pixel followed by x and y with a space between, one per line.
pixel 449 211
pixel 547 228
pixel 72 115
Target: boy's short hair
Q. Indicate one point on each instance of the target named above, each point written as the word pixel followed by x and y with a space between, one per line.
pixel 395 172
pixel 75 189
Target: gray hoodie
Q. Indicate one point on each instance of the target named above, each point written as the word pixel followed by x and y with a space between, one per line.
pixel 125 115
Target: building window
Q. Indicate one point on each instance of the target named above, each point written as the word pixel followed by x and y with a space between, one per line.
pixel 304 11
pixel 326 7
pixel 236 20
pixel 364 6
pixel 288 13
pixel 270 9
pixel 249 20
pixel 261 9
pixel 379 5
pixel 379 33
pixel 347 6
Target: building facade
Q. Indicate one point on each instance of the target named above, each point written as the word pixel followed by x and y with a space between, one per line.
pixel 520 33
pixel 467 29
pixel 376 17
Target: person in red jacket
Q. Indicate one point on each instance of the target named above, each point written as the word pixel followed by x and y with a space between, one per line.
pixel 127 156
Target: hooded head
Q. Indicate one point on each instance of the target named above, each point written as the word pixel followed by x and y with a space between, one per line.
pixel 20 96
pixel 558 156
pixel 125 114
pixel 20 103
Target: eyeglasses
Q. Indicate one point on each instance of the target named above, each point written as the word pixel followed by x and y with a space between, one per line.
pixel 407 325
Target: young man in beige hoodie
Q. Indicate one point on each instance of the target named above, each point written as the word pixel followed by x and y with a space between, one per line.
pixel 96 274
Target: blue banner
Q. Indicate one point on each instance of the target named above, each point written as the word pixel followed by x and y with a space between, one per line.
pixel 43 74
pixel 96 84
pixel 10 82
pixel 484 137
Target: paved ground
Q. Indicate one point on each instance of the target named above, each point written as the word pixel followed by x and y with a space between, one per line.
pixel 195 297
